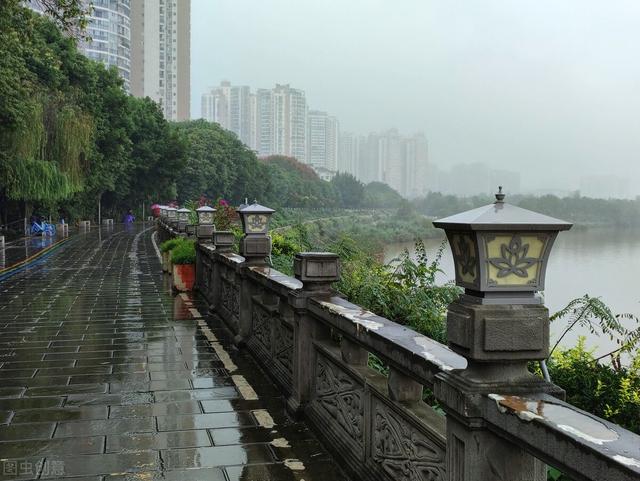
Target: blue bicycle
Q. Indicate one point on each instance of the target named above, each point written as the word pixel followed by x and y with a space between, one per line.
pixel 42 229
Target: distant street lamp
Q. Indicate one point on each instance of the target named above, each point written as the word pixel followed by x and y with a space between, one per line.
pixel 256 244
pixel 183 218
pixel 501 251
pixel 205 227
pixel 172 216
pixel 255 219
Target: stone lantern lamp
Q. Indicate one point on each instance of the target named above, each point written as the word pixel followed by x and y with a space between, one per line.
pixel 500 254
pixel 205 227
pixel 163 213
pixel 256 243
pixel 183 218
pixel 172 217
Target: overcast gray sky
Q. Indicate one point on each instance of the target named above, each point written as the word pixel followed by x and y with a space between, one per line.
pixel 547 87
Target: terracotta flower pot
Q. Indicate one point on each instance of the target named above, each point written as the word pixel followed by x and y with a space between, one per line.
pixel 184 276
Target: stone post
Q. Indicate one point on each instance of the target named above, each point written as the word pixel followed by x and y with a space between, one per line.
pixel 204 233
pixel 317 271
pixel 223 242
pixel 498 341
pixel 255 250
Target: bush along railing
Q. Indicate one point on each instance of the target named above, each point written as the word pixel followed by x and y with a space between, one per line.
pixel 501 422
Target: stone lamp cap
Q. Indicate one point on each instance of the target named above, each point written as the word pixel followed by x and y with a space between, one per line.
pixel 171 208
pixel 501 216
pixel 205 208
pixel 255 208
pixel 184 209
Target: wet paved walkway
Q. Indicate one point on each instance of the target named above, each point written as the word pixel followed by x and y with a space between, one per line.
pixel 105 376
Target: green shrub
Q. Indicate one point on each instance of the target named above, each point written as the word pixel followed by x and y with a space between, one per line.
pixel 610 391
pixel 184 253
pixel 168 245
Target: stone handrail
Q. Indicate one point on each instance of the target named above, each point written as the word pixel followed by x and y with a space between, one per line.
pixel 316 346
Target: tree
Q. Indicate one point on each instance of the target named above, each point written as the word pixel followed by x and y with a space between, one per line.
pixel 218 164
pixel 379 195
pixel 350 190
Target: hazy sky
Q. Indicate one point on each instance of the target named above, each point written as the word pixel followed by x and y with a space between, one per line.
pixel 547 87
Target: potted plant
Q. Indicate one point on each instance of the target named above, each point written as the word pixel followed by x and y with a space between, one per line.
pixel 165 250
pixel 183 259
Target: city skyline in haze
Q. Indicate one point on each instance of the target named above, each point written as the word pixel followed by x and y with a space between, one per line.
pixel 546 89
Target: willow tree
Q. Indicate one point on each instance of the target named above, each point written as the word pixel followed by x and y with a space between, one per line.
pixel 45 161
pixel 45 132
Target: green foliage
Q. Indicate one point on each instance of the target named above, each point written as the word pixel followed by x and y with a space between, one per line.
pixel 292 184
pixel 218 162
pixel 69 134
pixel 378 195
pixel 404 291
pixel 69 15
pixel 170 244
pixel 610 391
pixel 225 216
pixel 184 252
pixel 596 316
pixel 349 189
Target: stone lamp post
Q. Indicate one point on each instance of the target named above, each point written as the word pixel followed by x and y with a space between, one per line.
pixel 163 213
pixel 172 217
pixel 499 324
pixel 256 243
pixel 205 227
pixel 500 254
pixel 183 218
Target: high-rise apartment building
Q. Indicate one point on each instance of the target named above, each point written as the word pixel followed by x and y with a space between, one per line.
pixel 415 165
pixel 230 106
pixel 109 27
pixel 398 161
pixel 289 114
pixel 161 54
pixel 348 153
pixel 264 122
pixel 322 140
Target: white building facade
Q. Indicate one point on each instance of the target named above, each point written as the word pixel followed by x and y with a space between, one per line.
pixel 161 54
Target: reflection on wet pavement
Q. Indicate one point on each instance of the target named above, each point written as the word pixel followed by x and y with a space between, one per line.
pixel 106 376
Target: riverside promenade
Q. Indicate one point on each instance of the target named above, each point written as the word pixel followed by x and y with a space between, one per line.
pixel 105 375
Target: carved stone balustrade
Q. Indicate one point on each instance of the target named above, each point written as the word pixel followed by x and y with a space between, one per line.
pixel 316 346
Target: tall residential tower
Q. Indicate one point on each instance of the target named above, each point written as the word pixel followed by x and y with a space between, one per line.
pixel 161 54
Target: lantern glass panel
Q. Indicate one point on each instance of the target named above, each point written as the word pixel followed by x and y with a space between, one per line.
pixel 515 259
pixel 256 223
pixel 466 262
pixel 205 218
pixel 183 216
pixel 171 213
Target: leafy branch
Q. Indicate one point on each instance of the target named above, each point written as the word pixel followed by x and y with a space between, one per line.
pixel 592 313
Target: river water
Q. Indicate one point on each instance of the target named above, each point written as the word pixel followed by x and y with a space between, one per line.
pixel 599 261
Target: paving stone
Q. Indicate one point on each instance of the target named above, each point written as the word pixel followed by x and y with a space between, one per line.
pixel 217 456
pixel 108 426
pixel 157 409
pixel 30 403
pixel 15 432
pixel 101 464
pixel 68 413
pixel 157 441
pixel 279 472
pixel 80 445
pixel 205 474
pixel 203 421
